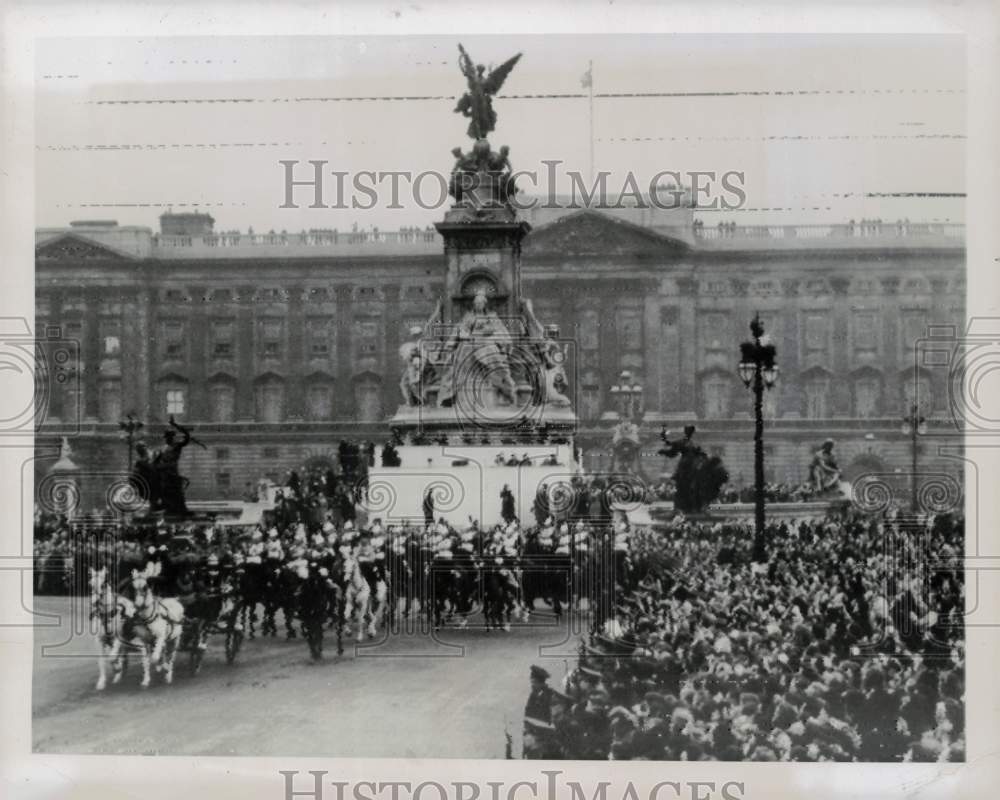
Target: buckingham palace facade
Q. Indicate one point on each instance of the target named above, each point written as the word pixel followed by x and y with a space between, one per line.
pixel 273 347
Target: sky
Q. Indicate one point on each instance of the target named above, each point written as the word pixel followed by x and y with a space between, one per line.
pixel 823 128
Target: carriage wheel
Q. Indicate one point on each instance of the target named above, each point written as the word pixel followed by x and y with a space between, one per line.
pixel 234 639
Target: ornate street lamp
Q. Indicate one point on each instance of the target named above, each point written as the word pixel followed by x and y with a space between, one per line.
pixel 914 425
pixel 758 372
pixel 629 396
pixel 130 427
pixel 625 442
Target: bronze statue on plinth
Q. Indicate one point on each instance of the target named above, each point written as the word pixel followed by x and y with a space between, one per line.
pixel 477 102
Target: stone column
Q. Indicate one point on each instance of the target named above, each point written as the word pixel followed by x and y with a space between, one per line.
pixel 90 353
pixel 653 354
pixel 295 386
pixel 391 366
pixel 840 361
pixel 344 399
pixel 198 331
pixel 245 353
pixel 689 345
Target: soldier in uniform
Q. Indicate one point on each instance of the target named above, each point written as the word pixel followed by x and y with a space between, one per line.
pixel 465 566
pixel 565 729
pixel 539 705
pixel 371 560
pixel 594 728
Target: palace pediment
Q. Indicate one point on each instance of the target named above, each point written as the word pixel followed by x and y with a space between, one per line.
pixel 592 233
pixel 73 247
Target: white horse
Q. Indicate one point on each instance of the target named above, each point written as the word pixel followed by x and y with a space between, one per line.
pixel 156 628
pixel 361 604
pixel 112 611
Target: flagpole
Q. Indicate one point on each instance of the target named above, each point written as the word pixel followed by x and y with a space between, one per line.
pixel 590 72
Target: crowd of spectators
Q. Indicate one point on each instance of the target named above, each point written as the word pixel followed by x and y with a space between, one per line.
pixel 53 548
pixel 843 647
pixel 774 492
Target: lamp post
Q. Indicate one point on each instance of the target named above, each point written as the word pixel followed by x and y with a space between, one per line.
pixel 625 445
pixel 628 394
pixel 758 372
pixel 914 425
pixel 130 427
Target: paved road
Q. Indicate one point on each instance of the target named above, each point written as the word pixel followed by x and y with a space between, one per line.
pixel 410 696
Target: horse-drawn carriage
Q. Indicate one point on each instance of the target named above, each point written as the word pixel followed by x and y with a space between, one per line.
pixel 172 602
pixel 209 593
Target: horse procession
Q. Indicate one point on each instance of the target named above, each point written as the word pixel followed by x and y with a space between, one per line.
pixel 169 589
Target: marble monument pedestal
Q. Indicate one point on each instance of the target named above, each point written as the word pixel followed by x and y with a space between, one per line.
pixel 456 460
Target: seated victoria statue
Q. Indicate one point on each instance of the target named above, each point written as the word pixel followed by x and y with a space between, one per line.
pixel 478 351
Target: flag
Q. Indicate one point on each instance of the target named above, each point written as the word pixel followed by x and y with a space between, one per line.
pixel 587 79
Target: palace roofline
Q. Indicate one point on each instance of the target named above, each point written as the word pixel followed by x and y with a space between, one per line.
pixel 140 242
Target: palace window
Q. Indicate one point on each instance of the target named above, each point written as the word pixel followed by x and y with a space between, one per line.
pixel 917 391
pixel 716 396
pixel 715 332
pixel 630 330
pixel 867 392
pixel 817 396
pixel 319 294
pixel 173 339
pixel 817 334
pixel 272 295
pixel 914 328
pixel 865 337
pixel 111 343
pixel 222 339
pixel 222 397
pixel 270 401
pixel 110 401
pixel 319 401
pixel 368 338
pixel 368 400
pixel 318 335
pixel 73 302
pixel 175 401
pixel 271 336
